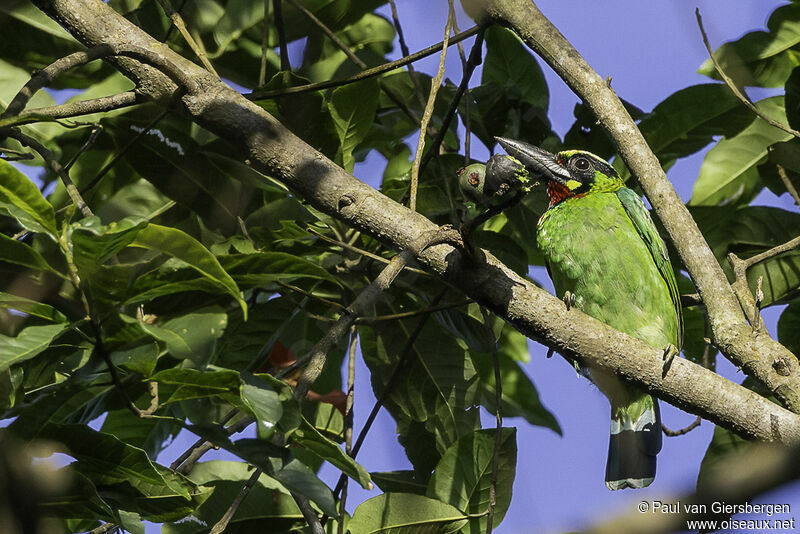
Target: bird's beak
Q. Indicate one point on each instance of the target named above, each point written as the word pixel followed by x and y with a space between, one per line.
pixel 538 161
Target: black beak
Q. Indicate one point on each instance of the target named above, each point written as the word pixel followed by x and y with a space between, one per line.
pixel 538 161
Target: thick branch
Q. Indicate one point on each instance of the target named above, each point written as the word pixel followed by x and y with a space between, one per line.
pixel 731 333
pixel 276 151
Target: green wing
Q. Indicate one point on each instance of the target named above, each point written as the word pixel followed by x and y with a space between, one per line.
pixel 647 230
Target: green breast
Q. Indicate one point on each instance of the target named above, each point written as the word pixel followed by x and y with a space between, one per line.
pixel 594 251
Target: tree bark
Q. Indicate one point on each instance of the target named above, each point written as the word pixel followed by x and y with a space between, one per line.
pixel 272 149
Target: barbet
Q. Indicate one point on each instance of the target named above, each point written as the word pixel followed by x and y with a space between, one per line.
pixel 605 257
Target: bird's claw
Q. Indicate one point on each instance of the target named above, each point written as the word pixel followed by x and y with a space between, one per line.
pixel 670 351
pixel 569 299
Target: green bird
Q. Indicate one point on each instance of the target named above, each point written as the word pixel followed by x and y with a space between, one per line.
pixel 605 257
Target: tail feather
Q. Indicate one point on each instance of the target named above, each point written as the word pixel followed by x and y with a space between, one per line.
pixel 634 443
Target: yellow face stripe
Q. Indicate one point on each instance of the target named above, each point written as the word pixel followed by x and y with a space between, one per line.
pixel 572 185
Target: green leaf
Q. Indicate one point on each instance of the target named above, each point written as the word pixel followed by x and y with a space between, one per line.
pixel 312 440
pixel 31 307
pixel 263 268
pixel 94 243
pixel 23 201
pixel 729 173
pixel 148 434
pixel 193 384
pixel 399 482
pixel 298 477
pixel 512 99
pixel 407 513
pixel 263 402
pixel 759 57
pixel 352 109
pixel 186 248
pixel 437 386
pixel 268 505
pixel 511 66
pixel 104 459
pixel 18 253
pixel 28 343
pixel 464 474
pixel 69 402
pixel 131 522
pixel 748 231
pixel 686 120
pixel 792 88
pixel 192 336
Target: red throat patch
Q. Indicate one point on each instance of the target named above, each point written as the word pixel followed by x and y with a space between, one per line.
pixel 557 192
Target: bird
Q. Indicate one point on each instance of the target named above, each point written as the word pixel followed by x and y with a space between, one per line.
pixel 606 258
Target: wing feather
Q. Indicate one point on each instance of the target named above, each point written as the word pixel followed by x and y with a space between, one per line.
pixel 647 230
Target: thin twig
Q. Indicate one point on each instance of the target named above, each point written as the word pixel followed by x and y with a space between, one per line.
pixel 405 51
pixel 498 437
pixel 361 251
pixel 54 166
pixel 309 294
pixel 124 150
pixel 73 109
pixel 741 289
pixel 466 117
pixel 413 313
pixel 308 512
pixel 317 356
pixel 426 117
pixel 329 33
pixel 15 155
pixel 222 524
pixel 774 251
pixel 348 419
pixel 788 184
pixel 341 45
pixel 277 11
pixel 369 73
pixel 177 465
pixel 736 91
pixel 48 74
pixel 171 27
pixel 473 61
pixel 395 374
pixel 102 529
pixel 90 141
pixel 177 20
pixel 262 73
pixel 706 360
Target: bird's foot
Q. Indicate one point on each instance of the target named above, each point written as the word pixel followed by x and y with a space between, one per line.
pixel 670 351
pixel 569 299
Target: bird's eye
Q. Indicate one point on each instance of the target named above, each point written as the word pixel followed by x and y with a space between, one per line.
pixel 581 163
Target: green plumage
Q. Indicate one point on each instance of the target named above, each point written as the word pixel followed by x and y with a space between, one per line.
pixel 601 245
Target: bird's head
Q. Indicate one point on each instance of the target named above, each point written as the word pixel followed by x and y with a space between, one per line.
pixel 569 173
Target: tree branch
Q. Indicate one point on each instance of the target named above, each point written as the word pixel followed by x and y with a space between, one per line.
pixel 426 116
pixel 317 355
pixel 276 151
pixel 369 73
pixel 738 93
pixel 177 20
pixel 730 330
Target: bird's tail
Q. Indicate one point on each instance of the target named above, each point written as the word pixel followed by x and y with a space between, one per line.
pixel 635 442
